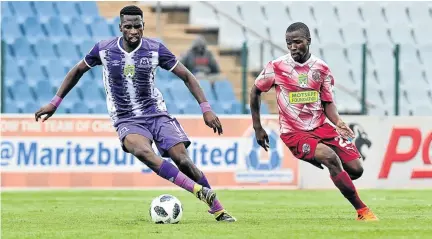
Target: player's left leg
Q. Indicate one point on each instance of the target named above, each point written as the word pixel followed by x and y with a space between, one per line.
pixel 172 141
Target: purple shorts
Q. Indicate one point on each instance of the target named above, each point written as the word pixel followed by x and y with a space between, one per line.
pixel 164 130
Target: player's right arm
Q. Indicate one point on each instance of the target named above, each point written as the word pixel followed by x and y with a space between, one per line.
pixel 71 79
pixel 263 83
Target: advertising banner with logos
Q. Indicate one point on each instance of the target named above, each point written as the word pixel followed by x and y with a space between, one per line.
pixel 397 153
pixel 70 151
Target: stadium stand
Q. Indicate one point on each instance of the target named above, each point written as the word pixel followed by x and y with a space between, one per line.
pixel 39 34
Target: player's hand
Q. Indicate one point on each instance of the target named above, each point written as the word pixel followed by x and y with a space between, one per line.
pixel 212 121
pixel 344 130
pixel 47 110
pixel 262 138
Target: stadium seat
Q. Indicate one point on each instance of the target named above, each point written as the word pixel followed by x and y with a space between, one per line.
pixel 231 35
pixel 396 13
pixel 325 13
pixel 91 92
pixel 11 30
pixel 162 74
pixel 409 53
pixel 423 32
pixel 402 34
pixel 68 51
pixel 88 10
pixel 30 107
pixel 100 30
pixel 79 108
pixel 22 10
pixel 13 74
pixel 45 52
pixel 422 110
pixel 208 91
pixel 217 108
pixel 55 73
pixel 420 12
pixel 6 12
pixel 353 33
pixel 334 55
pixel 10 106
pixel 224 90
pixel 85 47
pixel 44 91
pixel 252 15
pixel 172 108
pixel 100 108
pixel 301 12
pixel 355 55
pixel 71 98
pixel 78 31
pixel 22 91
pixel 378 34
pixel 45 10
pixel 180 93
pixel 33 73
pixel 56 30
pixel 264 108
pixel 67 11
pixel 23 51
pixel 372 12
pixel 192 108
pixel 33 30
pixel 426 55
pixel 202 15
pixel 348 12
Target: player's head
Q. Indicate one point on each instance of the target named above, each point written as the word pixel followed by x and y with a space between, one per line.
pixel 298 40
pixel 131 24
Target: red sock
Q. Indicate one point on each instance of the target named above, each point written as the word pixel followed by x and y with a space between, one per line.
pixel 347 188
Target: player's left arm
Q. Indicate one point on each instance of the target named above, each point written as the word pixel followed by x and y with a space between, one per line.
pixel 168 61
pixel 330 108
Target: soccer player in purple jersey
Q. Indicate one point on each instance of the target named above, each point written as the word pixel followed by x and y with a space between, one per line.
pixel 137 108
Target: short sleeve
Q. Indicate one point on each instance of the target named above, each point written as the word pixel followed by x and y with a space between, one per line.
pixel 327 87
pixel 93 58
pixel 266 79
pixel 167 60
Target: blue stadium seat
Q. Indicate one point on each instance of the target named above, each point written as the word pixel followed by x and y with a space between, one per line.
pixel 172 108
pixel 71 98
pixel 22 91
pixel 67 11
pixel 91 92
pixel 166 94
pixel 23 51
pixel 11 30
pixel 6 11
pixel 44 91
pixel 85 47
pixel 68 52
pixel 192 108
pixel 180 92
pixel 264 108
pixel 100 108
pixel 224 90
pixel 55 73
pixel 22 10
pixel 12 74
pixel 45 52
pixel 33 30
pixel 44 10
pixel 115 25
pixel 233 107
pixel 10 105
pixel 30 107
pixel 89 11
pixel 56 30
pixel 33 73
pixel 217 108
pixel 86 80
pixel 208 91
pixel 78 31
pixel 100 30
pixel 162 74
pixel 79 108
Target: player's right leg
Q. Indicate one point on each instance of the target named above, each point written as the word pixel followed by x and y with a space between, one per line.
pixel 328 157
pixel 140 147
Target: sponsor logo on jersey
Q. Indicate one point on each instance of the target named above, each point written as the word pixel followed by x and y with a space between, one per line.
pixel 303 97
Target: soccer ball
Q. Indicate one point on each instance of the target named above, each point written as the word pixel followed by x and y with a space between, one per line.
pixel 166 209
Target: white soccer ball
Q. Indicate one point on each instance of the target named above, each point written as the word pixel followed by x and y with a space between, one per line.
pixel 166 209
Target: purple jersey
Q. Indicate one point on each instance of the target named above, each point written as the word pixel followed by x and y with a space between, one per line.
pixel 129 78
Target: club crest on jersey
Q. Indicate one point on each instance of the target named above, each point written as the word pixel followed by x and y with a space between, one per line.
pixel 144 63
pixel 316 75
pixel 129 70
pixel 303 80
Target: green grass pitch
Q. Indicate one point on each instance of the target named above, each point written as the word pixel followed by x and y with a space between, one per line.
pixel 261 214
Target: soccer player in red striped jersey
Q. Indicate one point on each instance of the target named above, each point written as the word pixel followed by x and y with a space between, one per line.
pixel 303 85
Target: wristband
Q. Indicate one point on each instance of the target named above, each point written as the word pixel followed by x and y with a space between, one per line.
pixel 205 107
pixel 56 100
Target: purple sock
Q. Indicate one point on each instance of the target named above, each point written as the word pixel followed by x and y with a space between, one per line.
pixel 217 206
pixel 169 172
